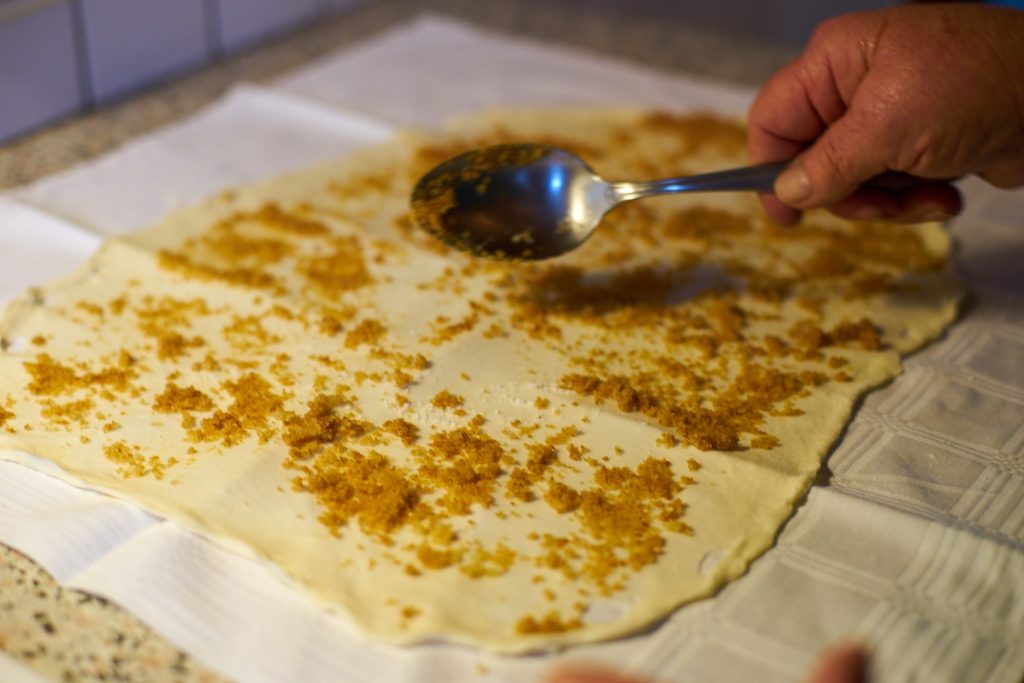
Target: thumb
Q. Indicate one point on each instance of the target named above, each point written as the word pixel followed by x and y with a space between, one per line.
pixel 849 152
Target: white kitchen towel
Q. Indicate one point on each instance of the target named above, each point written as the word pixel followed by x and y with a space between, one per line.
pixel 912 540
pixel 251 134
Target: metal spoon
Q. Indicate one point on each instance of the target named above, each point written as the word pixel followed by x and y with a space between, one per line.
pixel 534 202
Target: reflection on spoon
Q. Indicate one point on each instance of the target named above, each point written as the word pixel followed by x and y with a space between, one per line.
pixel 535 202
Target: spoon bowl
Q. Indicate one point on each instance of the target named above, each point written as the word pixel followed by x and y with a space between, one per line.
pixel 512 201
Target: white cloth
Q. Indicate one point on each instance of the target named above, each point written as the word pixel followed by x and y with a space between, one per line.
pixel 912 540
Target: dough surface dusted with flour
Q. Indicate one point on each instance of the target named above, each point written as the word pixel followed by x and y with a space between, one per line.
pixel 516 456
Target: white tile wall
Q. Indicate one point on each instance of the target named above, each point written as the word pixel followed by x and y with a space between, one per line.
pixel 131 43
pixel 57 56
pixel 243 22
pixel 38 69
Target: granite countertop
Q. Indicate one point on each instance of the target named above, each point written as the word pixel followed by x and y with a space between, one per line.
pixel 67 635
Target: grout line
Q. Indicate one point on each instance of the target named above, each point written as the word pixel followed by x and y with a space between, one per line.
pixel 86 86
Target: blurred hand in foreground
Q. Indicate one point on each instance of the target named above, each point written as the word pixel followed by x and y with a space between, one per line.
pixel 936 91
pixel 840 664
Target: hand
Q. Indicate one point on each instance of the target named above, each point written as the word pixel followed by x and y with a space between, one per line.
pixel 936 91
pixel 840 664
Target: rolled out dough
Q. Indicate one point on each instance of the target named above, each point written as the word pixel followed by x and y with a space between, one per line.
pixel 514 456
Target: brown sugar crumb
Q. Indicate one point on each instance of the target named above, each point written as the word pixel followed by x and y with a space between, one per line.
pixel 563 436
pixel 494 331
pixel 332 363
pixel 173 345
pixel 541 403
pixel 442 534
pixel 562 498
pixel 445 330
pixel 111 426
pixel 132 464
pixel 401 379
pixel 241 276
pixel 465 464
pixel 446 400
pixel 541 456
pixel 739 408
pixel 247 332
pixel 365 488
pixel 51 378
pixel 208 364
pixel 175 399
pixel 253 405
pixel 38 340
pixel 861 333
pixel 410 612
pixel 765 442
pixel 340 270
pixel 330 326
pixel 66 413
pixel 437 558
pixel 367 332
pixel 576 452
pixel 90 308
pixel 624 518
pixel 667 440
pixel 481 562
pixel 118 305
pixel 5 415
pixel 274 217
pixel 403 429
pixel 320 425
pixel 519 485
pixel 549 623
pixel 692 465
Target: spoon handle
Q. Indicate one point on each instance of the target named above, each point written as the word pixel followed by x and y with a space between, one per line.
pixel 760 178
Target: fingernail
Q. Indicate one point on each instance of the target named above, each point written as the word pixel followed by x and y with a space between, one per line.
pixel 793 186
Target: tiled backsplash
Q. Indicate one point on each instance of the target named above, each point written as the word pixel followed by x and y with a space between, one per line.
pixel 61 56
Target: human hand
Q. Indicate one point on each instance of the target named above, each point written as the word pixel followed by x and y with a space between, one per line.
pixel 936 91
pixel 840 664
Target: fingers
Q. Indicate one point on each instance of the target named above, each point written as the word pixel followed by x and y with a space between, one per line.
pixel 803 111
pixel 576 673
pixel 779 213
pixel 937 201
pixel 801 100
pixel 852 150
pixel 1006 174
pixel 841 664
pixel 782 120
pixel 927 202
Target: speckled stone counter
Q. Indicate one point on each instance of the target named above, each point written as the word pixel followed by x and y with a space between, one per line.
pixel 67 635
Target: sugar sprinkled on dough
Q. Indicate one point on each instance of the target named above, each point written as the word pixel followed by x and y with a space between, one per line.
pixel 713 346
